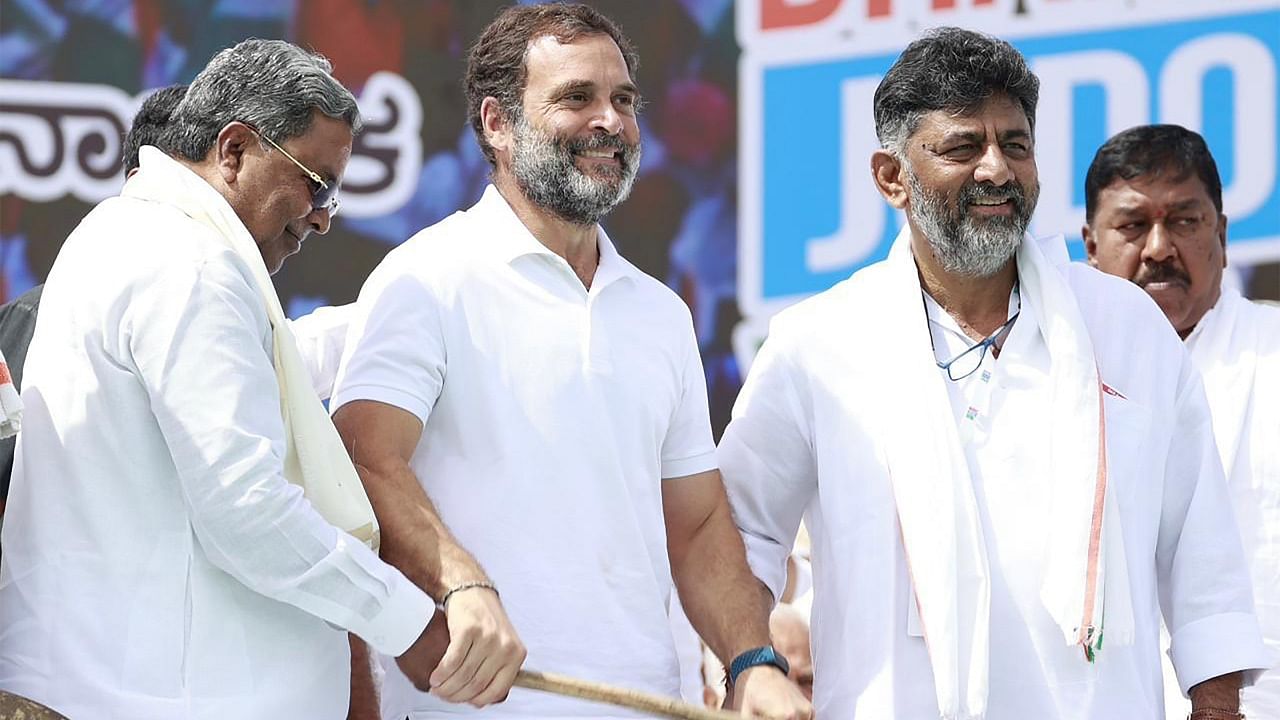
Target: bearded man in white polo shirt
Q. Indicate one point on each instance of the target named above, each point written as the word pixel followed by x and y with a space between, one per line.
pixel 1005 459
pixel 549 399
pixel 184 536
pixel 1153 209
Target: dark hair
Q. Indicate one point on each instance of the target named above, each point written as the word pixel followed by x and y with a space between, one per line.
pixel 1151 150
pixel 270 84
pixel 496 64
pixel 954 70
pixel 152 117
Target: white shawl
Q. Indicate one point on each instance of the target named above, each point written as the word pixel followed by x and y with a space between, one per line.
pixel 937 509
pixel 315 457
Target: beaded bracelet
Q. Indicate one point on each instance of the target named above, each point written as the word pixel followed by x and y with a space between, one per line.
pixel 444 600
pixel 1214 714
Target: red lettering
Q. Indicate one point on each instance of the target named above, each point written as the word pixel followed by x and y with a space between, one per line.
pixel 775 14
pixel 951 4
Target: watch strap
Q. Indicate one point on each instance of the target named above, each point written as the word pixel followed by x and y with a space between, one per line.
pixel 764 655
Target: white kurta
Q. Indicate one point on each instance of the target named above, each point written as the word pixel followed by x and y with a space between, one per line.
pixel 1236 347
pixel 809 438
pixel 156 562
pixel 551 415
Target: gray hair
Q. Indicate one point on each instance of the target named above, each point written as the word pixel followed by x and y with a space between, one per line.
pixel 270 84
pixel 953 70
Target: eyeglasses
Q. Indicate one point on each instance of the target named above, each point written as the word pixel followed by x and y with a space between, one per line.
pixel 324 196
pixel 968 362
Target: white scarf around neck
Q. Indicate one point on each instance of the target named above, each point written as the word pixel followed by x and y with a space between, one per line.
pixel 1085 570
pixel 315 457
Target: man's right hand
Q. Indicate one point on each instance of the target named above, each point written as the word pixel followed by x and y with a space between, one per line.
pixel 484 652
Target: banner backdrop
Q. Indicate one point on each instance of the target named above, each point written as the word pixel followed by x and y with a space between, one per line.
pixel 810 215
pixel 786 160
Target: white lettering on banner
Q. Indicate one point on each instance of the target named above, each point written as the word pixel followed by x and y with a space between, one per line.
pixel 61 139
pixel 862 213
pixel 387 157
pixel 809 214
pixel 1253 72
pixel 1124 83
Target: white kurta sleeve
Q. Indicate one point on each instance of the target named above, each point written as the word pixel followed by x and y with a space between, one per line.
pixel 1204 587
pixel 688 448
pixel 320 336
pixel 395 350
pixel 196 338
pixel 766 458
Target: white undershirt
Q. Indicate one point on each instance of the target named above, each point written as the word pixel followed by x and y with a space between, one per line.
pixel 994 407
pixel 971 395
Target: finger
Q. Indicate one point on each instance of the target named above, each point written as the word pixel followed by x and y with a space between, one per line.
pixel 451 688
pixel 480 682
pixel 454 655
pixel 500 687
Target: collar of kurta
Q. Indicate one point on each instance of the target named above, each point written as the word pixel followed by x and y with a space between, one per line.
pixel 942 534
pixel 510 239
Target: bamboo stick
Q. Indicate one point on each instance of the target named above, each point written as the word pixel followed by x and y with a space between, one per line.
pixel 599 692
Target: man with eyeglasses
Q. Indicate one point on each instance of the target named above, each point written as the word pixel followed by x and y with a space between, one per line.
pixel 1005 459
pixel 185 535
pixel 1153 215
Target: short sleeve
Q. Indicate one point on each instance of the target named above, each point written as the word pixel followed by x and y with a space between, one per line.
pixel 395 351
pixel 688 447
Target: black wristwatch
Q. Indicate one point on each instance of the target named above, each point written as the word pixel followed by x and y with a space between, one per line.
pixel 757 656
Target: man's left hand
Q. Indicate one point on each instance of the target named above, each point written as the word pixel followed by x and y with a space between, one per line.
pixel 764 692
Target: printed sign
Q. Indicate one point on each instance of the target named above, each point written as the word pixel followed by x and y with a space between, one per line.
pixel 59 138
pixel 809 213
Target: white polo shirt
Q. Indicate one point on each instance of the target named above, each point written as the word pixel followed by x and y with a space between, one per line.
pixel 551 414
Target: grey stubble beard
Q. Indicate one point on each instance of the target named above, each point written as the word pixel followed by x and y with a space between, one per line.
pixel 963 245
pixel 544 169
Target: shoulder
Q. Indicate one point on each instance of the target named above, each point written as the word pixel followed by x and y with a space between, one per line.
pixel 1097 291
pixel 437 254
pixel 1112 305
pixel 1136 349
pixel 22 309
pixel 1262 313
pixel 1265 319
pixel 128 244
pixel 653 296
pixel 838 306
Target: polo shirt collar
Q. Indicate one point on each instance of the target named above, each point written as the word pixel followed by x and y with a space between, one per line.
pixel 510 239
